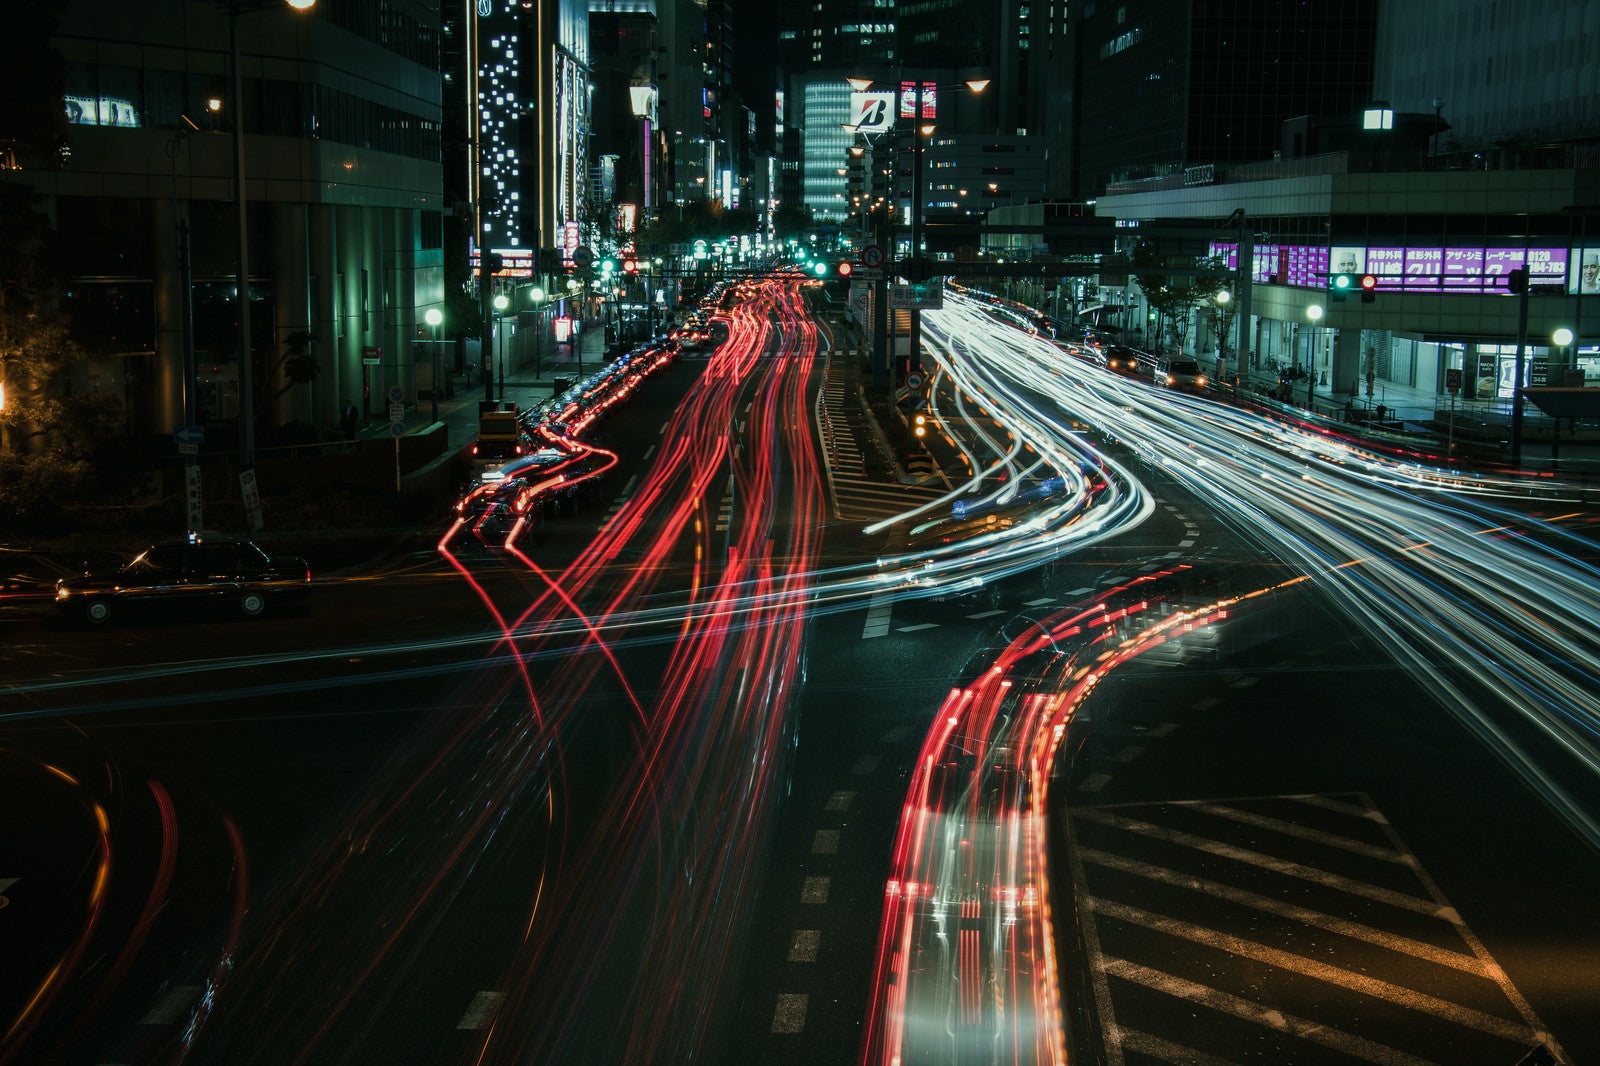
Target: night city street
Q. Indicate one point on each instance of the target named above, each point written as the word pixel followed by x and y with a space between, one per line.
pixel 889 531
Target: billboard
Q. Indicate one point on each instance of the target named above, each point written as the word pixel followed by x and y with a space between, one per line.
pixel 871 112
pixel 908 99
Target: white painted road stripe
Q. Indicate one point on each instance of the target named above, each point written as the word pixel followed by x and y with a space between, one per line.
pixel 1303 832
pixel 865 765
pixel 916 628
pixel 1162 730
pixel 839 801
pixel 803 948
pixel 1094 782
pixel 815 890
pixel 983 614
pixel 790 1017
pixel 173 1005
pixel 479 1010
pixel 1156 1048
pixel 878 611
pixel 1347 1043
pixel 826 842
pixel 1266 862
pixel 1304 915
pixel 1320 971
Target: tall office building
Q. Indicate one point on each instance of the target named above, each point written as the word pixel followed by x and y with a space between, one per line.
pixel 340 123
pixel 1172 84
pixel 1490 71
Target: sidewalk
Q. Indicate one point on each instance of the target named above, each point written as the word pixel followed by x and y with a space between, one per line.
pixel 458 410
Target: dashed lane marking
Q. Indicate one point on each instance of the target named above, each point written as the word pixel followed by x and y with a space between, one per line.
pixel 865 765
pixel 815 890
pixel 479 1011
pixel 916 628
pixel 1162 730
pixel 826 842
pixel 879 608
pixel 839 801
pixel 1040 602
pixel 1244 682
pixel 790 1016
pixel 1080 592
pixel 981 615
pixel 1205 704
pixel 803 948
pixel 1094 782
pixel 1128 754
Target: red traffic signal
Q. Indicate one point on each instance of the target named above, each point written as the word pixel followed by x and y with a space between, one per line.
pixel 1369 288
pixel 630 266
pixel 846 268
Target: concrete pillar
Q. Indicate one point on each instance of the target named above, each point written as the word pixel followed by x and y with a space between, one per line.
pixel 165 388
pixel 1346 363
pixel 340 377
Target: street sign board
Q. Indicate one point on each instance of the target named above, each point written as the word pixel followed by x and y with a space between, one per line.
pixel 914 381
pixel 397 412
pixel 872 256
pixel 397 429
pixel 252 499
pixel 396 394
pixel 371 356
pixel 927 296
pixel 188 449
pixel 583 257
pixel 865 273
pixel 189 435
pixel 193 485
pixel 1452 380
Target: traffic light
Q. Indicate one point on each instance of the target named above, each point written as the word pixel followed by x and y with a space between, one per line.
pixel 630 266
pixel 608 267
pixel 820 269
pixel 1339 286
pixel 920 425
pixel 846 268
pixel 1369 288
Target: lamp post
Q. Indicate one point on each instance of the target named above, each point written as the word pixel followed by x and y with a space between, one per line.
pixel 501 302
pixel 247 429
pixel 1314 313
pixel 433 316
pixel 1223 297
pixel 537 296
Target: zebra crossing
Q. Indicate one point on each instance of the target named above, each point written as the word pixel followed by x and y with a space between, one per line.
pixel 1284 929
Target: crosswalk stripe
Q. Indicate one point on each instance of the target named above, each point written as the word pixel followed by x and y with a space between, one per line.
pixel 1266 862
pixel 1321 971
pixel 1293 912
pixel 1222 1002
pixel 1292 829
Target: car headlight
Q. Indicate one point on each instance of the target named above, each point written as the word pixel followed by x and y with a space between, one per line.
pixel 1200 380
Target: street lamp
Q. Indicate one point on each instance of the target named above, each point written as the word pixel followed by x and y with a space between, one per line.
pixel 1314 313
pixel 247 429
pixel 1223 298
pixel 433 316
pixel 501 302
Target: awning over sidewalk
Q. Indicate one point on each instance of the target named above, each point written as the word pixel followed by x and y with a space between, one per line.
pixel 1090 309
pixel 1565 403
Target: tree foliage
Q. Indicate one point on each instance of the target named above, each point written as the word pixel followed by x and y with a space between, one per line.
pixel 1173 296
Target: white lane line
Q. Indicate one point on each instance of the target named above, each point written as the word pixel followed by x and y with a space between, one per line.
pixel 790 1017
pixel 916 628
pixel 865 765
pixel 1128 754
pixel 1040 602
pixel 981 615
pixel 1188 543
pixel 1302 832
pixel 1244 682
pixel 1154 1047
pixel 826 842
pixel 172 1007
pixel 1080 592
pixel 1403 945
pixel 634 480
pixel 1205 704
pixel 479 1011
pixel 1400 996
pixel 879 609
pixel 1173 555
pixel 815 890
pixel 1354 810
pixel 1094 782
pixel 663 430
pixel 839 801
pixel 1348 1043
pixel 1162 730
pixel 1265 862
pixel 803 948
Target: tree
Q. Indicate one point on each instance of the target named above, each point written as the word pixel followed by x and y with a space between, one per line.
pixel 1173 296
pixel 294 365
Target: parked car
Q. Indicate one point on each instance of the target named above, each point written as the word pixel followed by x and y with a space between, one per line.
pixel 197 572
pixel 1182 374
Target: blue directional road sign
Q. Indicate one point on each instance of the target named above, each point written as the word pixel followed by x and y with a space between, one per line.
pixel 189 434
